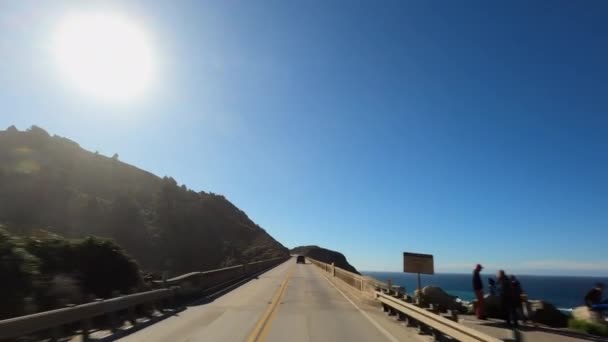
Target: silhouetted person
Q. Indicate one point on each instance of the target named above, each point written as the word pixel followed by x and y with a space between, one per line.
pixel 492 286
pixel 506 298
pixel 517 297
pixel 480 309
pixel 593 298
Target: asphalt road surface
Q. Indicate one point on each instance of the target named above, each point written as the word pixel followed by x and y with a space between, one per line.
pixel 292 302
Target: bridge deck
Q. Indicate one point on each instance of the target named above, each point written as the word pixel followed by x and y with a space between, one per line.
pixel 288 303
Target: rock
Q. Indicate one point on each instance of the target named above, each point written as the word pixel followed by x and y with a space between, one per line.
pixel 582 313
pixel 438 297
pixel 547 314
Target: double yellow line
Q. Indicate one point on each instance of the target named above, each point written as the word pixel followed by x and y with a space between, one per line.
pixel 263 326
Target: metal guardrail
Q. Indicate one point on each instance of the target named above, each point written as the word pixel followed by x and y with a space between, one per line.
pixel 436 324
pixel 84 313
pixel 24 325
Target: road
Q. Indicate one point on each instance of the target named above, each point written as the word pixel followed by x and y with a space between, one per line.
pixel 292 302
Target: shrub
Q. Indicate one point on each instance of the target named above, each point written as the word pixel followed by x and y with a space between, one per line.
pixel 588 327
pixel 54 252
pixel 99 266
pixel 51 271
pixel 104 267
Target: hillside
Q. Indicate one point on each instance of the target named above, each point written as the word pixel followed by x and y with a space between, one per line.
pixel 325 255
pixel 50 182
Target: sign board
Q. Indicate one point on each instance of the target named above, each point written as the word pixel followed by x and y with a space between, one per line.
pixel 418 263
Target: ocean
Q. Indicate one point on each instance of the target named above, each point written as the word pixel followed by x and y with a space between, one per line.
pixel 563 292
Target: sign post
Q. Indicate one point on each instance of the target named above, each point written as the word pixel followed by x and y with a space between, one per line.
pixel 419 264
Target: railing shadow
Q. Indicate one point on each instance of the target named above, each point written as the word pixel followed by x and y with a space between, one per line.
pixel 532 328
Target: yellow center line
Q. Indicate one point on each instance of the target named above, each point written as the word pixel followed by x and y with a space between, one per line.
pixel 261 328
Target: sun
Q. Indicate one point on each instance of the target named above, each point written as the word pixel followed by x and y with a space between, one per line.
pixel 103 54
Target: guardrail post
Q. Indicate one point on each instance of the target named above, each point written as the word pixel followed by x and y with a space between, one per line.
pixel 169 301
pixel 113 316
pixel 420 328
pixel 453 315
pixel 333 269
pixel 408 322
pixel 86 326
pixel 165 276
pixel 113 321
pixel 131 315
pixel 56 333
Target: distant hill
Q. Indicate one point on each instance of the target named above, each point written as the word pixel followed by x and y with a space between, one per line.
pixel 50 182
pixel 325 255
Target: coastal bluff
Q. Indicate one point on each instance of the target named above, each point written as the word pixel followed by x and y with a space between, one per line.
pixel 326 256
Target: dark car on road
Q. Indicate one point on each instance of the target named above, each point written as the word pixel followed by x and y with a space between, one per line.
pixel 300 259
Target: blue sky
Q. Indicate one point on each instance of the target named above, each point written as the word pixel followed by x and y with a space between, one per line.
pixel 472 130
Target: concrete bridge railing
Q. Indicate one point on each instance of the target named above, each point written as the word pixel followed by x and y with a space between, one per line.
pixel 79 318
pixel 366 285
pixel 196 282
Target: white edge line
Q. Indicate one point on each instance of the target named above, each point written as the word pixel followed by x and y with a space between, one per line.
pixel 376 324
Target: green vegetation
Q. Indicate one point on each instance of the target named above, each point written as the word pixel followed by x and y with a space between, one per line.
pixel 19 269
pixel 588 327
pixel 45 271
pixel 50 182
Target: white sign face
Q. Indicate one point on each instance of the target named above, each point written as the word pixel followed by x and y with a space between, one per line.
pixel 418 263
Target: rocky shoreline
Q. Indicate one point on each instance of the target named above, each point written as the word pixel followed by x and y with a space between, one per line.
pixel 537 311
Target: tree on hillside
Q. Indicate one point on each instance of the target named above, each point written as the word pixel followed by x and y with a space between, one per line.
pixel 104 267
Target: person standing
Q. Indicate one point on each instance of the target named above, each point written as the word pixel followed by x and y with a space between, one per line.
pixel 593 298
pixel 480 309
pixel 506 298
pixel 518 298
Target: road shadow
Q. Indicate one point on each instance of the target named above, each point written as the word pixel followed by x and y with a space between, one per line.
pixel 139 326
pixel 207 296
pixel 524 328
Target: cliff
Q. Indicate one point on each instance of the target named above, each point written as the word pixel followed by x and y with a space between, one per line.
pixel 325 255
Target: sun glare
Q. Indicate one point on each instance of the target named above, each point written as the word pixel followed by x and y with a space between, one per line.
pixel 104 54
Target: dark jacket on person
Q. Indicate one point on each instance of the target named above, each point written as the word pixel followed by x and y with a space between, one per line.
pixel 477 283
pixel 504 288
pixel 516 289
pixel 594 296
